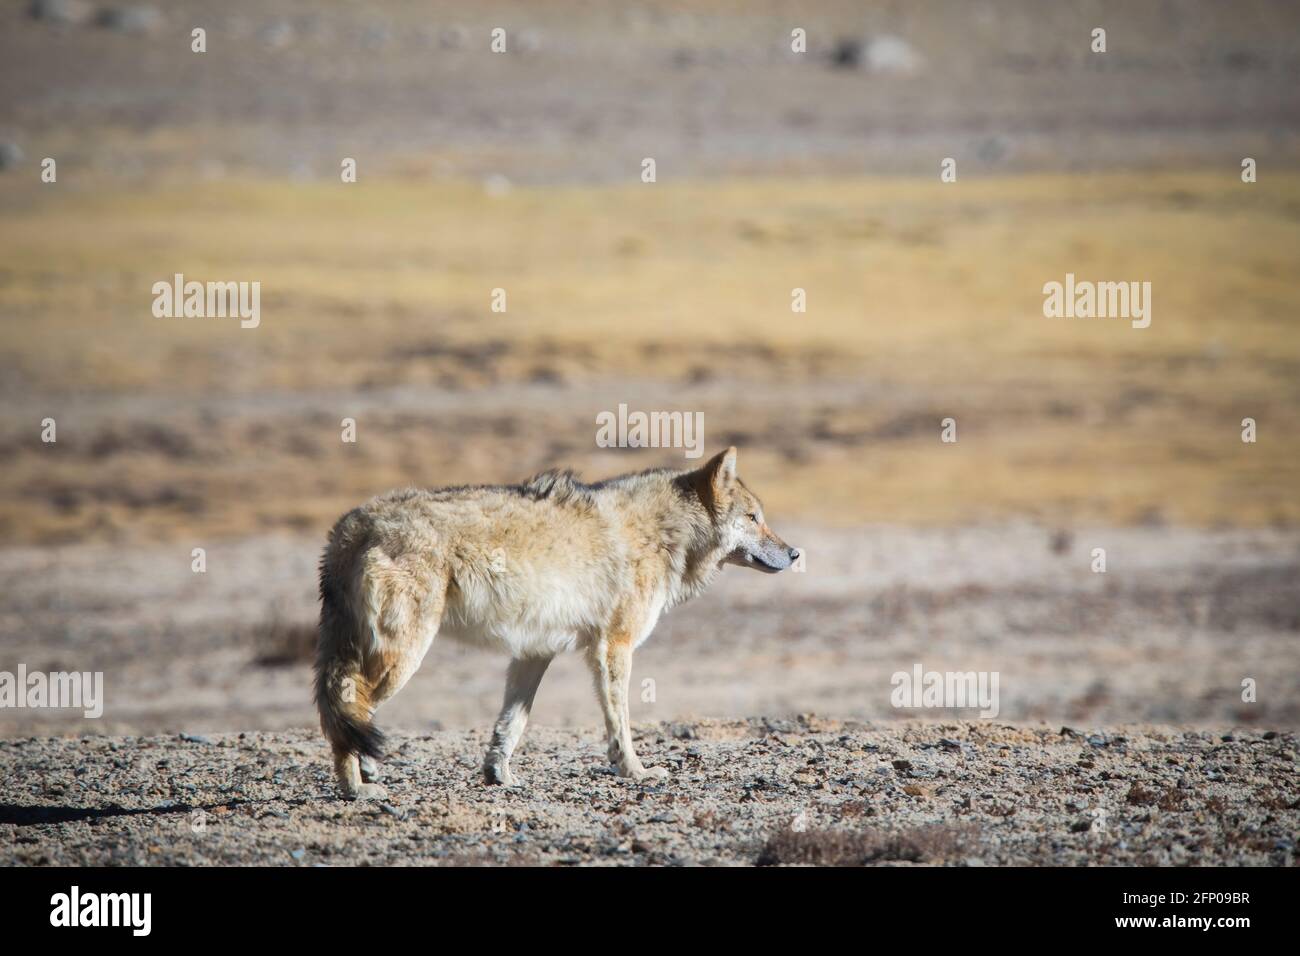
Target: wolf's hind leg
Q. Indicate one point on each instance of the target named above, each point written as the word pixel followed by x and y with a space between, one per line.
pixel 348 769
pixel 403 658
pixel 522 678
pixel 388 683
pixel 342 697
pixel 369 768
pixel 403 611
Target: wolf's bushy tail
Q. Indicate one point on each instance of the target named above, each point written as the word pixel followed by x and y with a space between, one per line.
pixel 342 689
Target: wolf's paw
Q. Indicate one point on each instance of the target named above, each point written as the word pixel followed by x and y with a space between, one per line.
pixel 367 791
pixel 369 769
pixel 498 773
pixel 649 774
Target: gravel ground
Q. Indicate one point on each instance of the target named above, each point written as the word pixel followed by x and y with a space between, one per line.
pixel 742 792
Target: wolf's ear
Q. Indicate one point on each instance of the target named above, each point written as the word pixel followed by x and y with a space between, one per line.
pixel 717 476
pixel 721 469
pixel 714 479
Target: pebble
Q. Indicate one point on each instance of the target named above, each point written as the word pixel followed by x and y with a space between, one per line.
pixel 136 20
pixel 743 793
pixel 892 55
pixel 11 154
pixel 59 11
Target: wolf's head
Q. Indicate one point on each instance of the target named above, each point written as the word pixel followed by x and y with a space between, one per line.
pixel 741 532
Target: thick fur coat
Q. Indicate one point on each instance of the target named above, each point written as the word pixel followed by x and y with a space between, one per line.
pixel 535 569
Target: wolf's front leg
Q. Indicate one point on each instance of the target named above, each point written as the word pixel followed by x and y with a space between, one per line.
pixel 522 678
pixel 611 664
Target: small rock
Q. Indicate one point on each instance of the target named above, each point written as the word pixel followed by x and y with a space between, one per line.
pixel 59 11
pixel 11 154
pixel 195 739
pixel 137 20
pixel 990 150
pixel 891 55
pixel 847 54
pixel 683 732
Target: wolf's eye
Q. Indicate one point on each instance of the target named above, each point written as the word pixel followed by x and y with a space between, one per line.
pixel 752 517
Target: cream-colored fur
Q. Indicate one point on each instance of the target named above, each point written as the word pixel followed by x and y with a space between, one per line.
pixel 536 569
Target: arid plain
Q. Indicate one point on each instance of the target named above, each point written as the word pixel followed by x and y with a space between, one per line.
pixel 775 171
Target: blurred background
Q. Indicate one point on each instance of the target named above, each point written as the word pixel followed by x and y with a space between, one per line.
pixel 775 170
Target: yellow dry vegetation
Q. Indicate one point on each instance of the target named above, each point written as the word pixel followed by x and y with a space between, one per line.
pixel 924 300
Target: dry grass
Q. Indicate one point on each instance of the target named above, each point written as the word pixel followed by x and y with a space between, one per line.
pixel 924 302
pixel 281 643
pixel 900 268
pixel 927 844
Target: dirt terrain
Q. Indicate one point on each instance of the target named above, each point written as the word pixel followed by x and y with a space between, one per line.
pixel 584 91
pixel 1166 635
pixel 804 790
pixel 1062 775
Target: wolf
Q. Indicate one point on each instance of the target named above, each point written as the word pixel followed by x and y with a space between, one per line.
pixel 534 569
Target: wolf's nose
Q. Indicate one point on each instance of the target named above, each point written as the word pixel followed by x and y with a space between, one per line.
pixel 794 554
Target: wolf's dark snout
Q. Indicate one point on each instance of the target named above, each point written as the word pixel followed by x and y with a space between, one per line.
pixel 794 554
